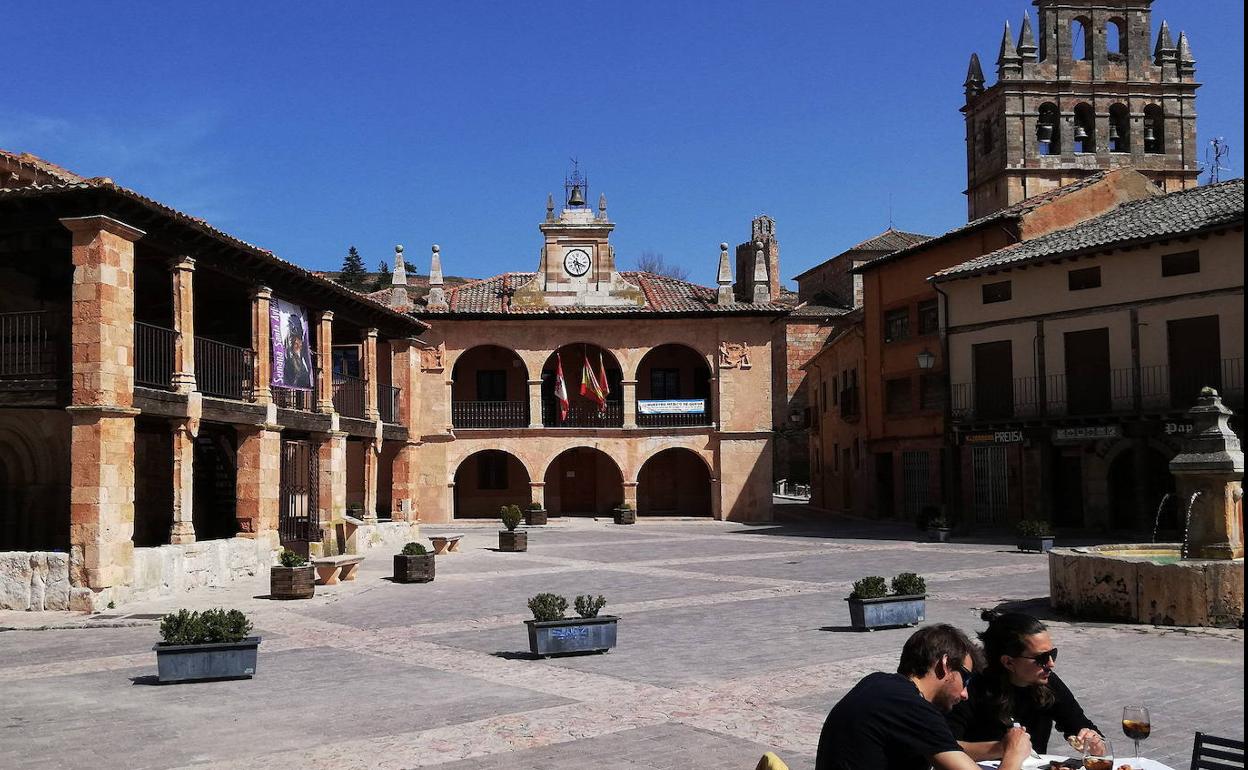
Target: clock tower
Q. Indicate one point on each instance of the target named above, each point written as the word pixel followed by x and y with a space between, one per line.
pixel 577 264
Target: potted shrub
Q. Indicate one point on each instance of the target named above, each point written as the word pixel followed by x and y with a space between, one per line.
pixel 413 565
pixel 1035 535
pixel 510 539
pixel 871 606
pixel 624 514
pixel 292 578
pixel 938 529
pixel 213 644
pixel 535 515
pixel 550 633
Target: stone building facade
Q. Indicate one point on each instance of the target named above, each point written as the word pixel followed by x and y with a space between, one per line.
pixel 1087 90
pixel 144 444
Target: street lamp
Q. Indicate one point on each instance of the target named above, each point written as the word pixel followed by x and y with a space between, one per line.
pixel 926 359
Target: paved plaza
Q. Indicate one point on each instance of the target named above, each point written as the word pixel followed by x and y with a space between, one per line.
pixel 733 641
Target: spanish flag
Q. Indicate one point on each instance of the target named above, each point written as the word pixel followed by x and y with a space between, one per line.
pixel 561 388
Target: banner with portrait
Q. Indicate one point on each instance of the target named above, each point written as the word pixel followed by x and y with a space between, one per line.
pixel 291 344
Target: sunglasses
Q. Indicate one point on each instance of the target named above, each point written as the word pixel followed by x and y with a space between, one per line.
pixel 967 675
pixel 1043 659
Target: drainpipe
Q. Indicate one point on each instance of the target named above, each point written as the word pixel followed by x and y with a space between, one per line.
pixel 950 484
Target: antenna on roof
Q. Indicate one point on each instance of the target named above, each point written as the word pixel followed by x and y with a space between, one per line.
pixel 1217 151
pixel 890 210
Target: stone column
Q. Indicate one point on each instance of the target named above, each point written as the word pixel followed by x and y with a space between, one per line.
pixel 184 432
pixel 368 368
pixel 325 362
pixel 537 492
pixel 183 274
pixel 404 368
pixel 535 403
pixel 630 403
pixel 331 491
pixel 630 493
pixel 258 480
pixel 101 526
pixel 261 344
pixel 372 459
pixel 403 480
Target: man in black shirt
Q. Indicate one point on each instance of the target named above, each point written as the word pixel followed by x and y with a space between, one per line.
pixel 897 721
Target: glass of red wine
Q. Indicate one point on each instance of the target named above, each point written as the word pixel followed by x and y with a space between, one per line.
pixel 1136 725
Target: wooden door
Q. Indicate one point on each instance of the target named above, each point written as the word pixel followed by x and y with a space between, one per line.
pixel 1195 352
pixel 1087 372
pixel 993 375
pixel 578 482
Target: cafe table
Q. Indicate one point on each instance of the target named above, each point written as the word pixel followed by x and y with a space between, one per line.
pixel 1043 762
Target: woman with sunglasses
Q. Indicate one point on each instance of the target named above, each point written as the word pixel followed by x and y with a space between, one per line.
pixel 1018 687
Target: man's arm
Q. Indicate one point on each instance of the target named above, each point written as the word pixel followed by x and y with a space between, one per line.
pixel 1016 747
pixel 983 750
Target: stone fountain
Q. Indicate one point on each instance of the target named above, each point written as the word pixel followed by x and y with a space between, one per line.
pixel 1198 582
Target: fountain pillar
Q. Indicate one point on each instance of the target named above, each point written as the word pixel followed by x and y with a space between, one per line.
pixel 1208 476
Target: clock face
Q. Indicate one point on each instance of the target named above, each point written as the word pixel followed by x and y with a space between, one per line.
pixel 576 262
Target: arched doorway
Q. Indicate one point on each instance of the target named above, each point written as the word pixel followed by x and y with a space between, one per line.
pixel 583 481
pixel 488 480
pixel 583 362
pixel 673 388
pixel 490 389
pixel 1136 488
pixel 674 482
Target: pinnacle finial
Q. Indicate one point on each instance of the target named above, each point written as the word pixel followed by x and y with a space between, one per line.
pixel 398 276
pixel 724 278
pixel 762 292
pixel 602 205
pixel 1027 40
pixel 974 83
pixel 1165 45
pixel 1008 51
pixel 436 299
pixel 550 207
pixel 1185 50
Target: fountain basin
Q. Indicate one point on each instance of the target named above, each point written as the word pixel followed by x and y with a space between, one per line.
pixel 1146 583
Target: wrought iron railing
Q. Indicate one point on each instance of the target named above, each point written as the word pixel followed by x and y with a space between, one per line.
pixel 223 370
pixel 26 349
pixel 388 403
pixel 584 416
pixel 349 395
pixel 291 398
pixel 674 420
pixel 1089 393
pixel 490 414
pixel 153 355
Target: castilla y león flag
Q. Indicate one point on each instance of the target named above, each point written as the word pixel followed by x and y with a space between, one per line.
pixel 590 387
pixel 561 388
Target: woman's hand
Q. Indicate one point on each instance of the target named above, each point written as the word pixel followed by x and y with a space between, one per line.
pixel 1087 740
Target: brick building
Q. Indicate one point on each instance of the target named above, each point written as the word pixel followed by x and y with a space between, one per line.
pixel 685 371
pixel 147 441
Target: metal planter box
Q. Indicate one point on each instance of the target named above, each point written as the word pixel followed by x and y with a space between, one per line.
pixel 560 637
pixel 1039 544
pixel 887 611
pixel 200 662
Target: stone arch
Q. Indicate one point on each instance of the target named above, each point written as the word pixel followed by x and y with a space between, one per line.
pixel 583 411
pixel 1081 38
pixel 1119 128
pixel 1049 129
pixel 1116 39
pixel 487 479
pixel 34 480
pixel 1154 129
pixel 1126 509
pixel 675 371
pixel 1084 129
pixel 583 480
pixel 675 481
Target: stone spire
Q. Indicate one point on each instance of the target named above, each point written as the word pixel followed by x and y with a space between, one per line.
pixel 974 84
pixel 1165 45
pixel 724 278
pixel 1027 41
pixel 550 207
pixel 602 206
pixel 762 291
pixel 399 276
pixel 1187 62
pixel 1009 63
pixel 436 299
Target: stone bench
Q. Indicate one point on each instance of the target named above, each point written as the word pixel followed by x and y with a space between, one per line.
pixel 448 543
pixel 329 569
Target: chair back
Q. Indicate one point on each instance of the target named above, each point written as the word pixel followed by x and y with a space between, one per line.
pixel 1209 752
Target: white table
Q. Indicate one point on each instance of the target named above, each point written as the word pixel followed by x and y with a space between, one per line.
pixel 1033 764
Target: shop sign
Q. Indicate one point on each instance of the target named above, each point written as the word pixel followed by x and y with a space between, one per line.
pixel 994 437
pixel 1086 433
pixel 672 406
pixel 1177 428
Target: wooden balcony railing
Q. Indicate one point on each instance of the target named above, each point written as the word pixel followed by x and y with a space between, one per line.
pixel 26 350
pixel 490 414
pixel 224 371
pixel 153 356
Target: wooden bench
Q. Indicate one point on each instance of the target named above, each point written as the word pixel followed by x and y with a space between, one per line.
pixel 447 543
pixel 329 569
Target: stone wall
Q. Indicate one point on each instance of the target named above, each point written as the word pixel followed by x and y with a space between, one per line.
pixel 34 580
pixel 172 569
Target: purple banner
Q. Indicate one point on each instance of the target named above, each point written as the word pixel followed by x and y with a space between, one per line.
pixel 292 354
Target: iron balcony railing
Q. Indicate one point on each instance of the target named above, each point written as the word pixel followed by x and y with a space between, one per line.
pixel 388 403
pixel 1096 392
pixel 26 349
pixel 349 395
pixel 293 398
pixel 223 370
pixel 584 416
pixel 490 414
pixel 675 420
pixel 153 355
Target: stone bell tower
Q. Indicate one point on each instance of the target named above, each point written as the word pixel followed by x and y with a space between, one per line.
pixel 577 265
pixel 1080 92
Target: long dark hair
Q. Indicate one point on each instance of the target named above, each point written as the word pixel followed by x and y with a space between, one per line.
pixel 1007 634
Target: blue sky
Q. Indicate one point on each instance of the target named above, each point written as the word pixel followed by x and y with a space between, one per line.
pixel 308 127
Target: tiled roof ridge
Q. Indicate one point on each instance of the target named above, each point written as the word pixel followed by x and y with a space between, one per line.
pixel 44 166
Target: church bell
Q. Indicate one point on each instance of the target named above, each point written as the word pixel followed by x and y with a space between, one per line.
pixel 576 198
pixel 1044 132
pixel 1081 133
pixel 1149 134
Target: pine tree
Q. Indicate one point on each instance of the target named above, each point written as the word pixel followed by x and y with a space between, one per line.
pixel 353 273
pixel 383 275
